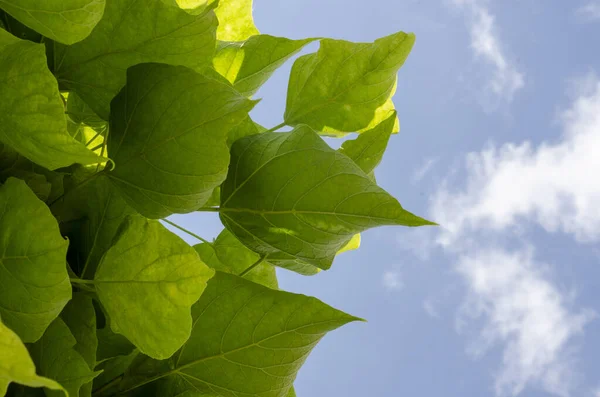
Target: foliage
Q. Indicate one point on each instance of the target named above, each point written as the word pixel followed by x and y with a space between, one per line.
pixel 116 114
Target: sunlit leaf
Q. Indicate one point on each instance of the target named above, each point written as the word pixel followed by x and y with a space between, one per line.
pixel 33 274
pixel 346 87
pixel 292 195
pixel 147 282
pixel 235 20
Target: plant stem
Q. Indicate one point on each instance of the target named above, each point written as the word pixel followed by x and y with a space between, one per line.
pixel 104 142
pixel 252 266
pixel 186 231
pixel 93 139
pixel 96 147
pixel 108 385
pixel 278 126
pixel 81 281
pixel 209 209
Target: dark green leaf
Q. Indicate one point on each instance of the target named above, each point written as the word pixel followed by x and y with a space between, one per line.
pixel 346 87
pixel 65 21
pixel 133 32
pixel 247 340
pixel 167 163
pixel 147 282
pixel 293 196
pixel 32 119
pixel 112 345
pixel 57 359
pixel 16 364
pixel 249 64
pixel 33 270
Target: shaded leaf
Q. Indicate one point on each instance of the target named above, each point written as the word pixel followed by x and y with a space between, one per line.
pixel 292 195
pixel 65 21
pixel 32 119
pixel 235 20
pixel 346 87
pixel 227 254
pixel 113 368
pixel 112 345
pixel 147 282
pixel 168 163
pixel 368 148
pixel 249 64
pixel 246 128
pixel 247 340
pixel 16 364
pixel 32 266
pixel 56 358
pixel 133 32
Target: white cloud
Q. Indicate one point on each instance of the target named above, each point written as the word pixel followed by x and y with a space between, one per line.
pixel 528 314
pixel 508 188
pixel 420 242
pixel 392 280
pixel 552 184
pixel 506 79
pixel 589 12
pixel 420 172
pixel 430 309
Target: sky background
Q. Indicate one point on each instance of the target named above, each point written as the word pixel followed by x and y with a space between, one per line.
pixel 499 105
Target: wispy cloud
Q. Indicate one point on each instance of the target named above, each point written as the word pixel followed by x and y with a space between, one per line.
pixel 508 188
pixel 420 172
pixel 589 12
pixel 430 309
pixel 505 79
pixel 392 280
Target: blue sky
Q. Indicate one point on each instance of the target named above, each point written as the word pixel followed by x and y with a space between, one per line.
pixel 499 105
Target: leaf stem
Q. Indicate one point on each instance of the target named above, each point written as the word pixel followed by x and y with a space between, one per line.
pixel 209 209
pixel 252 266
pixel 93 139
pixel 278 126
pixel 108 385
pixel 81 281
pixel 104 142
pixel 186 231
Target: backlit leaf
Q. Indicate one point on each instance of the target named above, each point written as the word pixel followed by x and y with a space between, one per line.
pixel 249 64
pixel 133 32
pixel 33 270
pixel 247 340
pixel 32 119
pixel 56 358
pixel 228 255
pixel 147 282
pixel 235 20
pixel 16 364
pixel 292 195
pixel 168 163
pixel 65 21
pixel 344 86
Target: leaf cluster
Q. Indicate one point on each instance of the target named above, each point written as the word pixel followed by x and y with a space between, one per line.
pixel 116 114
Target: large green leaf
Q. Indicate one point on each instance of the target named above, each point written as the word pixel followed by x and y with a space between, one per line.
pixel 56 358
pixel 346 87
pixel 292 392
pixel 147 282
pixel 170 148
pixel 249 64
pixel 32 119
pixel 247 340
pixel 16 365
pixel 33 269
pixel 235 20
pixel 227 254
pixel 368 148
pixel 132 32
pixel 65 21
pixel 293 196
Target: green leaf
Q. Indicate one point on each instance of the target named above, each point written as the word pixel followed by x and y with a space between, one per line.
pixel 247 340
pixel 65 21
pixel 167 163
pixel 130 33
pixel 80 113
pixel 235 20
pixel 228 255
pixel 292 392
pixel 246 128
pixel 147 282
pixel 32 119
pixel 368 148
pixel 18 29
pixel 112 345
pixel 113 368
pixel 57 359
pixel 80 317
pixel 16 364
pixel 311 199
pixel 249 64
pixel 33 270
pixel 346 87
